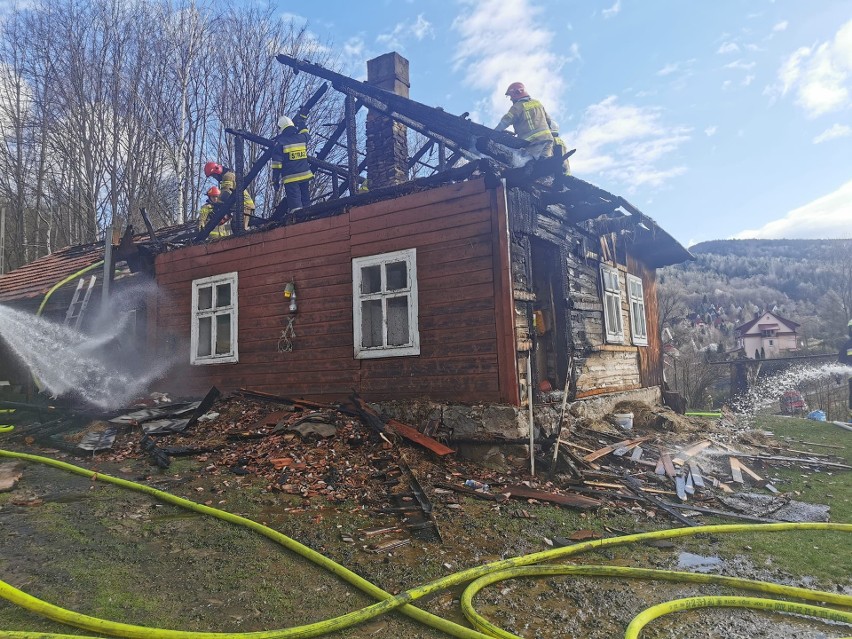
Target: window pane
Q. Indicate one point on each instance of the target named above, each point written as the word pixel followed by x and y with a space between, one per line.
pixel 223 334
pixel 223 295
pixel 397 276
pixel 371 323
pixel 205 298
pixel 205 336
pixel 398 321
pixel 371 279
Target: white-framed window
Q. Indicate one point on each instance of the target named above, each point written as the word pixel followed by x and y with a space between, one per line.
pixel 384 291
pixel 611 290
pixel 214 320
pixel 638 323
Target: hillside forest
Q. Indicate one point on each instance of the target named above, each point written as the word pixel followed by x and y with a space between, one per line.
pixel 703 301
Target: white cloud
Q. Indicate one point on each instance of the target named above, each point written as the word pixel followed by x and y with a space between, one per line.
pixel 614 10
pixel 836 131
pixel 747 80
pixel 504 41
pixel 728 47
pixel 739 64
pixel 674 67
pixel 781 26
pixel 820 76
pixel 419 29
pixel 625 143
pixel 827 217
pixel 710 131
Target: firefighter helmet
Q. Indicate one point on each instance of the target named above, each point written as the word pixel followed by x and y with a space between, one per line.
pixel 211 167
pixel 284 122
pixel 214 191
pixel 517 90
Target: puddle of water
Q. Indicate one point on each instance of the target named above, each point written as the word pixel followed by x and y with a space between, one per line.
pixel 697 563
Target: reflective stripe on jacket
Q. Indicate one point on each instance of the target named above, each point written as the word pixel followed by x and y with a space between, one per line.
pixel 223 229
pixel 529 119
pixel 294 156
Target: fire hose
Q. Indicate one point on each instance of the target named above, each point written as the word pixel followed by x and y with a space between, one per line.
pixel 481 576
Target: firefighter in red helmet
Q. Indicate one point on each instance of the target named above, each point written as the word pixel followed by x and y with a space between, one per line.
pixel 223 229
pixel 227 180
pixel 530 122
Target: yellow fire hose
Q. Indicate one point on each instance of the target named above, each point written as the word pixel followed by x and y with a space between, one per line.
pixel 5 428
pixel 495 571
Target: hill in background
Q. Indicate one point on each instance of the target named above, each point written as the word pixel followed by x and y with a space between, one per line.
pixel 807 281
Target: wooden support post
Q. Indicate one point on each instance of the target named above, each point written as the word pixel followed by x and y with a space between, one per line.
pixel 442 156
pixel 237 206
pixel 351 143
pixel 108 269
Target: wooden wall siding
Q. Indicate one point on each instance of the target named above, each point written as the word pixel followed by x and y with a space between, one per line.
pixel 650 356
pixel 451 228
pixel 608 370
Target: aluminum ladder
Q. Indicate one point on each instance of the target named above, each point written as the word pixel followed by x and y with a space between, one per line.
pixel 79 302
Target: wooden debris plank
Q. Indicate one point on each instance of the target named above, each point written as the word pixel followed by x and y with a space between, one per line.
pixel 412 434
pixel 571 501
pixel 725 488
pixel 637 453
pixel 736 471
pixel 621 452
pixel 692 451
pixel 748 471
pixel 689 486
pixel 696 475
pixel 606 450
pixel 771 488
pixel 680 487
pixel 721 513
pixel 602 484
pixel 798 460
pixel 667 465
pixel 660 469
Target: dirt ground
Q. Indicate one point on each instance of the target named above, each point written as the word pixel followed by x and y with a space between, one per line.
pixel 112 553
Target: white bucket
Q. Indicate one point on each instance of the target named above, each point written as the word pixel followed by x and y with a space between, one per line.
pixel 625 420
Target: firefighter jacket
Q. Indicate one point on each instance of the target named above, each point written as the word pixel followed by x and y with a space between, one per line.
pixel 223 229
pixel 292 154
pixel 228 181
pixel 845 355
pixel 529 119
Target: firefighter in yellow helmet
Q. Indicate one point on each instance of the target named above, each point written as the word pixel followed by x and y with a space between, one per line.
pixel 530 122
pixel 227 179
pixel 214 198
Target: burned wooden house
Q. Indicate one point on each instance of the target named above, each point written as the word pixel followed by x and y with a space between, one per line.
pixel 473 284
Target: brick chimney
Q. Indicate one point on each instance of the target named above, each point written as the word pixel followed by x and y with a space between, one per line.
pixel 387 142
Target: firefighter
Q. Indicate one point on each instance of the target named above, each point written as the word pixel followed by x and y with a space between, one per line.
pixel 214 198
pixel 227 180
pixel 530 121
pixel 845 357
pixel 559 148
pixel 290 162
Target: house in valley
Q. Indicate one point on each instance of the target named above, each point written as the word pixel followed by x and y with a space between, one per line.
pixel 767 336
pixel 475 284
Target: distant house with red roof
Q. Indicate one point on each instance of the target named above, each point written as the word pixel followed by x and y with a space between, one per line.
pixel 768 335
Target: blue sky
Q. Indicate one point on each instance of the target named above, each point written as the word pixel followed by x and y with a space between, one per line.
pixel 720 119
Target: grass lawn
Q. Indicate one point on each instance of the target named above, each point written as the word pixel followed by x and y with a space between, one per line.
pixel 825 556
